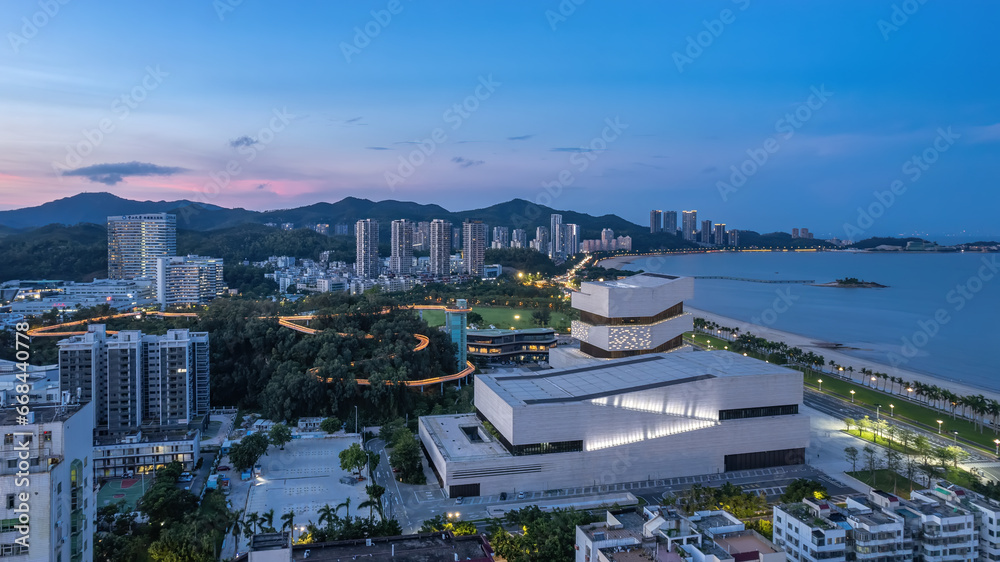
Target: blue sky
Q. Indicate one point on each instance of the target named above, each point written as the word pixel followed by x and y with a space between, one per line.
pixel 276 105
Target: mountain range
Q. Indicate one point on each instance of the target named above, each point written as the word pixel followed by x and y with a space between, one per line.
pixel 96 207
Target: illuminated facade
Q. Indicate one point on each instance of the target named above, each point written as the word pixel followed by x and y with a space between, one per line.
pixel 366 242
pixel 61 502
pixel 135 241
pixel 457 323
pixel 188 280
pixel 515 346
pixel 624 420
pixel 632 316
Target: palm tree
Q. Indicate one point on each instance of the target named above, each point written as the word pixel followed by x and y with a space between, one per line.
pixel 267 521
pixel 238 526
pixel 327 515
pixel 288 520
pixel 346 504
pixel 370 504
pixel 375 493
pixel 252 521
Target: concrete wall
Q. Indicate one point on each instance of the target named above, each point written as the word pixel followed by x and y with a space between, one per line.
pixel 618 302
pixel 695 452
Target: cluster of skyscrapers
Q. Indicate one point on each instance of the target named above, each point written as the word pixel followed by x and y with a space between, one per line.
pixel 144 246
pixel 709 233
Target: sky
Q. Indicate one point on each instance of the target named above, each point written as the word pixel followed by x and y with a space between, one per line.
pixel 850 118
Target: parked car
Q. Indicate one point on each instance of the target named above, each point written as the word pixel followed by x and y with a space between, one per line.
pixel 395 469
pixel 458 500
pixel 503 496
pixel 520 495
pixel 223 468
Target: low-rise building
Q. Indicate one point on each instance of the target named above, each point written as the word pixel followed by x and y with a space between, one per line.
pixel 510 346
pixel 145 452
pixel 806 531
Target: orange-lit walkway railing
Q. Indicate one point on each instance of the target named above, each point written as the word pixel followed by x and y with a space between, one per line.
pixel 285 321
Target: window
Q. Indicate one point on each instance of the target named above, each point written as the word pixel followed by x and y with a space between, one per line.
pixel 10 500
pixel 759 412
pixel 8 439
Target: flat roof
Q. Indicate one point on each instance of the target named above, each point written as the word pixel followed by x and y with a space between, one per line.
pixel 451 440
pixel 619 376
pixel 44 413
pixel 408 548
pixel 642 280
pixel 743 541
pixel 498 332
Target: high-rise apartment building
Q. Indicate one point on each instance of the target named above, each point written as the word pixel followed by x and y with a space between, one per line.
pixel 608 239
pixel 440 248
pixel 474 248
pixel 137 380
pixel 188 280
pixel 689 224
pixel 456 238
pixel 670 222
pixel 366 240
pixel 541 241
pixel 55 450
pixel 401 253
pixel 518 238
pixel 572 239
pixel 136 241
pixel 705 235
pixel 556 245
pixel 422 236
pixel 501 237
pixel 655 221
pixel 719 234
pixel 734 238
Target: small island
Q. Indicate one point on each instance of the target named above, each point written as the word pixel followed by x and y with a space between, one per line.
pixel 852 283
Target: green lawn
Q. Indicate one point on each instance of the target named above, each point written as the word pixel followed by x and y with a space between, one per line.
pixel 884 481
pixel 880 440
pixel 703 340
pixel 501 317
pixel 905 409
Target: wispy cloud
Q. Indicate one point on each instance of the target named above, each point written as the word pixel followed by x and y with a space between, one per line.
pixel 377 148
pixel 571 149
pixel 263 185
pixel 111 174
pixel 354 121
pixel 466 163
pixel 245 140
pixel 521 137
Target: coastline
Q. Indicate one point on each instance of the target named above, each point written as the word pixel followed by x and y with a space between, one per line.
pixel 825 349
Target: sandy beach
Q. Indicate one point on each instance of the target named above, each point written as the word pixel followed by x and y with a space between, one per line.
pixel 823 348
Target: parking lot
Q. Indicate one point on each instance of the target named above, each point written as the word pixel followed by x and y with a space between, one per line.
pixel 302 478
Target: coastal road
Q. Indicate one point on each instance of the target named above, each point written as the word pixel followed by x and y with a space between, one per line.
pixel 841 409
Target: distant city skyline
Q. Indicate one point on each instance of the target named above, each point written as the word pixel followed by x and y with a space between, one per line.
pixel 598 110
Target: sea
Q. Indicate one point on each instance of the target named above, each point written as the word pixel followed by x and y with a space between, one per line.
pixel 938 315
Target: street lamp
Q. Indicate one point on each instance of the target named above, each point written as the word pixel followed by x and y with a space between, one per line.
pixel 997 441
pixel 878 408
pixel 939 426
pixel 852 397
pixel 892 410
pixel 910 396
pixel 956 437
pixel 820 385
pixel 873 381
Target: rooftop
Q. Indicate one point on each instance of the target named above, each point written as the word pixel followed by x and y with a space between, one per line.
pixel 429 547
pixel 44 413
pixel 495 332
pixel 744 541
pixel 627 554
pixel 631 374
pixel 450 437
pixel 642 280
